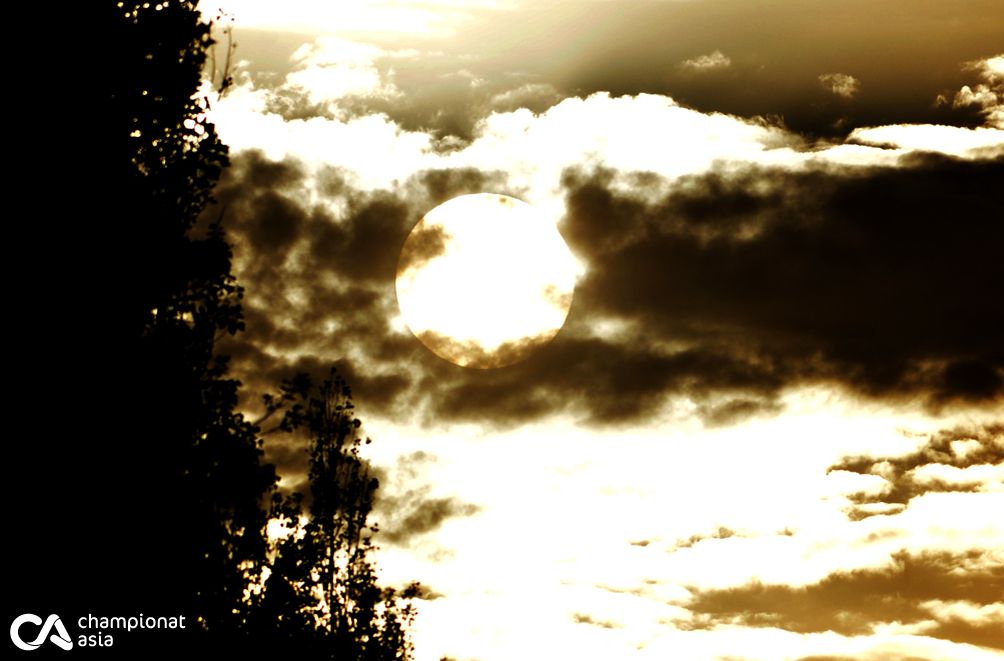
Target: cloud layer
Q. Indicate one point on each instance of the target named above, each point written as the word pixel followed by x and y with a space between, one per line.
pixel 947 594
pixel 723 288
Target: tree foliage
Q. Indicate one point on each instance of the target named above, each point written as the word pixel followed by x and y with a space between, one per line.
pixel 199 480
pixel 322 578
pixel 173 457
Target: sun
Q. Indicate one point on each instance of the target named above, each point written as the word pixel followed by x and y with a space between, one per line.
pixel 484 280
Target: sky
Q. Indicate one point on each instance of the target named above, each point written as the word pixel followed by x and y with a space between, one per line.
pixel 771 425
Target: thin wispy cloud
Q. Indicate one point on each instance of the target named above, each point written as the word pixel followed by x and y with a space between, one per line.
pixel 713 61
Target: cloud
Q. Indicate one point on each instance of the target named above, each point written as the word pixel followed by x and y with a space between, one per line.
pixel 951 140
pixel 726 259
pixel 927 571
pixel 330 69
pixel 777 56
pixel 379 147
pixel 981 96
pixel 737 409
pixel 584 618
pixel 536 97
pixel 948 596
pixel 336 78
pixel 966 611
pixel 841 84
pixel 963 460
pixel 988 96
pixel 763 484
pixel 405 505
pixel 423 244
pixel 991 68
pixel 470 353
pixel 723 289
pixel 714 61
pixel 415 513
pixel 782 275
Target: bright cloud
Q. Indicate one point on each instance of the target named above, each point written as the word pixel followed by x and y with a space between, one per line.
pixel 714 61
pixel 644 132
pixel 952 140
pixel 841 84
pixel 331 68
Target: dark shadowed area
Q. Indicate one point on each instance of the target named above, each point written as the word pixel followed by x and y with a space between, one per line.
pixel 729 288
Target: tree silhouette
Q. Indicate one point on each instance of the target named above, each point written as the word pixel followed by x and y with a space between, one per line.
pixel 179 464
pixel 155 480
pixel 322 578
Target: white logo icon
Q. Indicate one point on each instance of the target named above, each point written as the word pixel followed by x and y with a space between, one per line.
pixel 60 638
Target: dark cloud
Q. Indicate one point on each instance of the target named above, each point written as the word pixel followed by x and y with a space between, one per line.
pixel 727 289
pixel 471 354
pixel 852 603
pixel 878 279
pixel 320 284
pixel 601 381
pixel 426 242
pixel 427 594
pixel 409 511
pixel 734 286
pixel 735 410
pixel 982 446
pixel 585 618
pixel 416 515
pixel 257 172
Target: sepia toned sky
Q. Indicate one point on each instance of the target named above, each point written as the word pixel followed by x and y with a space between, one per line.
pixel 771 426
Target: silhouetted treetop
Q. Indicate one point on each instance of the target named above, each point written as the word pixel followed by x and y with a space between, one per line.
pixel 323 573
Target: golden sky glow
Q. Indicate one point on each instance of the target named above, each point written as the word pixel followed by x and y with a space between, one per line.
pixel 372 16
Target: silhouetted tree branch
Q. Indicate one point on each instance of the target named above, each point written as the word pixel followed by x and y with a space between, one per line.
pixel 322 571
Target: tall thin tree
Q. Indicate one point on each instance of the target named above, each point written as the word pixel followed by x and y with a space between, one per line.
pixel 323 568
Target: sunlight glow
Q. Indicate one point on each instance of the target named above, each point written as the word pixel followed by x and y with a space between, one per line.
pixel 483 278
pixel 377 16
